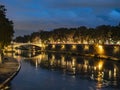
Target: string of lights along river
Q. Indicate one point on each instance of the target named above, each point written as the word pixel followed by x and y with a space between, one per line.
pixel 58 71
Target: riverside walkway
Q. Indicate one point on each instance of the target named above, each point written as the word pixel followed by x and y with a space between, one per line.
pixel 8 69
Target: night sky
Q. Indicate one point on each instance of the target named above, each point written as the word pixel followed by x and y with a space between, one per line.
pixel 33 15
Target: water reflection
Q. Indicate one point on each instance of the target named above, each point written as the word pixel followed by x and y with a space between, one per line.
pixel 104 73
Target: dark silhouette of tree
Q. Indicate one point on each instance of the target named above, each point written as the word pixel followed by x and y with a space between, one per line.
pixel 19 39
pixel 115 35
pixel 34 35
pixel 24 39
pixel 103 32
pixel 6 28
pixel 100 35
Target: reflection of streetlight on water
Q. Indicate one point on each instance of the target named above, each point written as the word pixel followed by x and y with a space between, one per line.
pixel 100 74
pixel 100 65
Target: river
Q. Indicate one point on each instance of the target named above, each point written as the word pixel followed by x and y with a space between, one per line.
pixel 57 71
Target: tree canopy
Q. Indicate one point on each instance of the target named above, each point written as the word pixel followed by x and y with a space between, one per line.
pixel 103 34
pixel 6 28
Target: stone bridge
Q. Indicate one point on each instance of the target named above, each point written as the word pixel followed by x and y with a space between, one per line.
pixel 109 50
pixel 13 46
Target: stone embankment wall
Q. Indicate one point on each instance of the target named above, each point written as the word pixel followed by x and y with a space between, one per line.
pixel 107 50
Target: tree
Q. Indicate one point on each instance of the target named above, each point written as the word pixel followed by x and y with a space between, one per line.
pixel 19 39
pixel 6 28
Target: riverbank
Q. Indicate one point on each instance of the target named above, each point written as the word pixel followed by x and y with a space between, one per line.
pixel 8 69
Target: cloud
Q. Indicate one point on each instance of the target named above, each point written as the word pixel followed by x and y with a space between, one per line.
pixel 32 15
pixel 115 15
pixel 83 3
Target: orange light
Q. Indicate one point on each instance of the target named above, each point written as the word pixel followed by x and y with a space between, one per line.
pixel 110 74
pixel 73 47
pixel 63 60
pixel 100 46
pixel 73 61
pixel 115 72
pixel 86 47
pixel 53 46
pixel 116 49
pixel 100 65
pixel 100 49
pixel 63 47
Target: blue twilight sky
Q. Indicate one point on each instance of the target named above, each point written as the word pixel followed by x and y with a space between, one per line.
pixel 34 15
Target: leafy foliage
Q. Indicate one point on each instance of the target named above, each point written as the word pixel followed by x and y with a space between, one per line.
pixel 101 34
pixel 6 28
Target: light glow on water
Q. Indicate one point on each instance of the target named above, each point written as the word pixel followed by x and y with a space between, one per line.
pixel 52 67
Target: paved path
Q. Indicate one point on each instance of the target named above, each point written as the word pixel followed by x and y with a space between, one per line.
pixel 8 69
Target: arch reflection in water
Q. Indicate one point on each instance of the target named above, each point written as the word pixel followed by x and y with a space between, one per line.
pixel 105 73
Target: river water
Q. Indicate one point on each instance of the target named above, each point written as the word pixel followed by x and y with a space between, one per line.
pixel 57 71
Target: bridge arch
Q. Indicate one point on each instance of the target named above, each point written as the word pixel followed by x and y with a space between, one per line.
pixel 13 46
